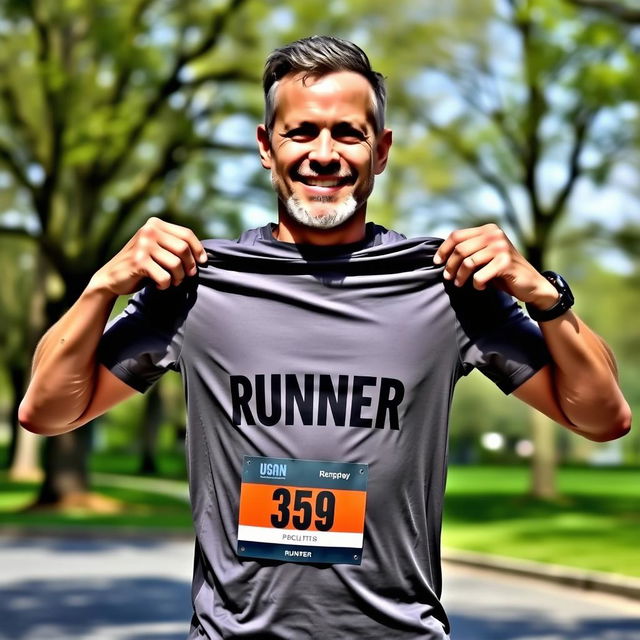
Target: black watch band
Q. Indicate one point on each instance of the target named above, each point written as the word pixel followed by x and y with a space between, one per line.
pixel 565 302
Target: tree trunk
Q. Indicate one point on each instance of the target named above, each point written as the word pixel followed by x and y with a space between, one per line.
pixel 25 465
pixel 24 458
pixel 543 463
pixel 545 455
pixel 66 467
pixel 151 421
pixel 65 457
pixel 24 449
pixel 17 376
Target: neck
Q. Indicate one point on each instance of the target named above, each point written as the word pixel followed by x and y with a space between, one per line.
pixel 289 230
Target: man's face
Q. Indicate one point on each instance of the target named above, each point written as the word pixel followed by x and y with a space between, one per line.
pixel 323 152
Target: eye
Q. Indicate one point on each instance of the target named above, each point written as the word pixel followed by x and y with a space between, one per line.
pixel 348 134
pixel 303 133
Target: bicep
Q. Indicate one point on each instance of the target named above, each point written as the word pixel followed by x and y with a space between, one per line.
pixel 109 391
pixel 539 392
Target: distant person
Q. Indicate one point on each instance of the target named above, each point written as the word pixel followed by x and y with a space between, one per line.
pixel 319 357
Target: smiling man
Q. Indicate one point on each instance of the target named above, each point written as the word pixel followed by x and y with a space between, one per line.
pixel 323 153
pixel 319 355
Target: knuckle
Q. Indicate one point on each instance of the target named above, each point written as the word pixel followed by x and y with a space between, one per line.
pixel 147 232
pixel 469 263
pixel 183 249
pixel 139 259
pixel 501 245
pixel 163 281
pixel 173 261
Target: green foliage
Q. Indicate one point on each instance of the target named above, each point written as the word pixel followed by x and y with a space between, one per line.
pixel 486 511
pixel 104 108
pixel 607 301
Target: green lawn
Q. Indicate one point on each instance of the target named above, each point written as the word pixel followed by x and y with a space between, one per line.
pixel 596 524
pixel 137 509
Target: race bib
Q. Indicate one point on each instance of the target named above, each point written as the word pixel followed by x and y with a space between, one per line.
pixel 302 510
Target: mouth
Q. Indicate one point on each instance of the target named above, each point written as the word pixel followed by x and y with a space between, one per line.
pixel 324 182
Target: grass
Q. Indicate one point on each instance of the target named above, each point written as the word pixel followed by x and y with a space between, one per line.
pixel 171 464
pixel 594 525
pixel 134 509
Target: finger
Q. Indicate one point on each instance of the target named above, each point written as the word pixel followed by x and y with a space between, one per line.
pixel 160 276
pixel 464 251
pixel 197 249
pixel 446 248
pixel 181 249
pixel 494 269
pixel 170 263
pixel 471 263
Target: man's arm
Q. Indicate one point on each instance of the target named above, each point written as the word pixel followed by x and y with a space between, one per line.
pixel 68 387
pixel 580 388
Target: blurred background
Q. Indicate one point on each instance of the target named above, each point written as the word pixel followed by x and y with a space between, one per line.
pixel 522 112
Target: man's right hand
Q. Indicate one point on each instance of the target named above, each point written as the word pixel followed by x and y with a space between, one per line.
pixel 162 252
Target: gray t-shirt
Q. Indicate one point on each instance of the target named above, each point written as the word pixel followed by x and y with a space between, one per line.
pixel 318 384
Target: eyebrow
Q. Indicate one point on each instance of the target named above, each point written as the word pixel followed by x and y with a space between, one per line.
pixel 295 124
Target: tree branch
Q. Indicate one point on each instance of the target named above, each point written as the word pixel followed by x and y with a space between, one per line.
pixel 630 15
pixel 16 232
pixel 237 75
pixel 44 194
pixel 16 120
pixel 581 130
pixel 473 161
pixel 126 69
pixel 537 107
pixel 137 195
pixel 7 157
pixel 170 85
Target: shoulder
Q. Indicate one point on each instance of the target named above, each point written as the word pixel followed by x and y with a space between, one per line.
pixel 249 237
pixel 377 234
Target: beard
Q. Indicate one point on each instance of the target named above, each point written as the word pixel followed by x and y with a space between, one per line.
pixel 330 219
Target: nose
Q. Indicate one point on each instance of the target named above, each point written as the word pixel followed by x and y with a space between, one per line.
pixel 324 152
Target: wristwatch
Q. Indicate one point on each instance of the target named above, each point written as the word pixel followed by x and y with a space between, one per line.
pixel 565 302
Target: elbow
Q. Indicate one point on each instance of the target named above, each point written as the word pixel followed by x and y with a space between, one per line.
pixel 30 421
pixel 619 427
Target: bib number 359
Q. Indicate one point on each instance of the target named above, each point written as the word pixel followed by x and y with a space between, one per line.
pixel 302 510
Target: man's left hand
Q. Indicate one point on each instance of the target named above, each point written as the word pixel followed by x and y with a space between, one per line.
pixel 486 255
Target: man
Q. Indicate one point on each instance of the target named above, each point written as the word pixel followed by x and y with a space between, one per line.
pixel 319 356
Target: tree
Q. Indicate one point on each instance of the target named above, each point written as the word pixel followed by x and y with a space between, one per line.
pixel 522 113
pixel 109 113
pixel 21 310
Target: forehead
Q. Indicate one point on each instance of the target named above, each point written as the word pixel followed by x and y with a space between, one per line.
pixel 339 96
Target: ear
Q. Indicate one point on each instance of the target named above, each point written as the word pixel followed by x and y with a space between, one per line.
pixel 264 146
pixel 383 145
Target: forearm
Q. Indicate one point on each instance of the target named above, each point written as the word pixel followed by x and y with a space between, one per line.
pixel 64 367
pixel 585 379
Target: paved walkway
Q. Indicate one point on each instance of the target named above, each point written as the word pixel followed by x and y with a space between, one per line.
pixel 119 589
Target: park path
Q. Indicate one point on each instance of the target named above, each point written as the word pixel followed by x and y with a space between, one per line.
pixel 135 589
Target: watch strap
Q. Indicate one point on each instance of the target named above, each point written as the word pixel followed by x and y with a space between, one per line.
pixel 564 303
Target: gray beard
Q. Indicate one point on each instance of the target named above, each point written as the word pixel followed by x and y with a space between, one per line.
pixel 329 220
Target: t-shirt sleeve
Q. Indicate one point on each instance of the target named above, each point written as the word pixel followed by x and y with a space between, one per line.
pixel 145 340
pixel 497 337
